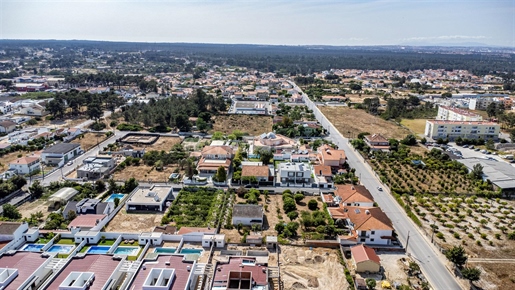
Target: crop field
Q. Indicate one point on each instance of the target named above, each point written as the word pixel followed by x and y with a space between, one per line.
pixel 351 122
pixel 251 124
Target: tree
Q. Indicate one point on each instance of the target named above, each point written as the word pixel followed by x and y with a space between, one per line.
pixel 220 175
pixel 371 283
pixel 409 140
pixel 490 145
pixel 159 165
pixel 116 202
pixel 18 181
pixel 182 122
pixel 11 212
pixel 292 215
pixel 471 273
pixel 477 171
pixel 71 215
pixel 289 205
pixel 423 141
pixel 36 189
pixel 512 135
pixel 457 256
pixel 95 111
pixel 100 186
pixel 298 197
pixel 291 228
pixel 279 228
pixel 312 204
pixel 217 136
pixel 130 185
pixel 265 155
pixel 201 124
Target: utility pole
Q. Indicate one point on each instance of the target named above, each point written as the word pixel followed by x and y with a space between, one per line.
pixel 407 242
pixel 434 229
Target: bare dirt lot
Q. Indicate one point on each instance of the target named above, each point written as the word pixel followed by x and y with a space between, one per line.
pixel 144 173
pixel 417 126
pixel 33 207
pixel 319 268
pixel 164 143
pixel 250 124
pixel 7 158
pixel 133 222
pixel 89 140
pixel 351 122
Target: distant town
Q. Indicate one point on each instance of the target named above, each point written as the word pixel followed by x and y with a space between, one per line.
pixel 154 169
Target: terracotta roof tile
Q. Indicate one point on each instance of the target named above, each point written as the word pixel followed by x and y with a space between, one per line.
pixel 362 253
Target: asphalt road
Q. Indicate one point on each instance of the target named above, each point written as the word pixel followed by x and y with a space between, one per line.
pixel 419 246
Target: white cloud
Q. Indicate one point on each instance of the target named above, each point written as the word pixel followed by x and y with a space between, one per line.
pixel 446 37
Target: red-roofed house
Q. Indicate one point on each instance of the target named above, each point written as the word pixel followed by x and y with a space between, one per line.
pixel 87 221
pixel 331 157
pixel 377 142
pixel 25 165
pixel 365 259
pixel 354 195
pixel 212 158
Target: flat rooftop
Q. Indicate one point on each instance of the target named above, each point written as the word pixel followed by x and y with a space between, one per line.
pixel 240 265
pixel 25 262
pixel 154 194
pixel 101 265
pixel 444 122
pixel 176 262
pixel 61 148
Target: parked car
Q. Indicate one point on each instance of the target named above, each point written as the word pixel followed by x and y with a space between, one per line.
pixel 477 149
pixel 483 151
pixel 465 146
pixel 471 147
pixel 70 162
pixel 379 188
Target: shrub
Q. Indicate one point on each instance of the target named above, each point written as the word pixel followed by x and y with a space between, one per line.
pixel 313 204
pixel 440 235
pixel 289 205
pixel 298 197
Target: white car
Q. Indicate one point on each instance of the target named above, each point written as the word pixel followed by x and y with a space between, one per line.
pixel 70 163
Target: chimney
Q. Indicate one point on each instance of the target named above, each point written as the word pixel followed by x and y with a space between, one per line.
pixel 367 212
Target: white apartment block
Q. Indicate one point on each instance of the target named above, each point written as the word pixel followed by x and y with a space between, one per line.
pixel 453 129
pixel 456 114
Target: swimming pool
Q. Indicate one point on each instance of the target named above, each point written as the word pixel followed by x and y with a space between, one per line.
pixel 191 251
pixel 112 197
pixel 130 251
pixel 98 250
pixel 61 249
pixel 33 247
pixel 165 250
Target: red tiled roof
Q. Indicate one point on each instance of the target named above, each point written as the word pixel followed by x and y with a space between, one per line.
pixel 181 272
pixel 222 271
pixel 25 262
pixel 324 169
pixel 101 265
pixel 362 253
pixel 86 221
pixel 253 170
pixel 353 193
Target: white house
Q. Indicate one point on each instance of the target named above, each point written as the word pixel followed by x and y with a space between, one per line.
pixel 25 165
pixel 292 174
pixel 7 126
pixel 247 214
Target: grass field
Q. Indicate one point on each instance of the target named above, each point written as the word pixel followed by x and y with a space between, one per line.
pixel 89 140
pixel 351 122
pixel 250 124
pixel 417 126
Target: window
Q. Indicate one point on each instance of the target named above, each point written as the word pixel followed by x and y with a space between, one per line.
pixel 363 240
pixel 371 240
pixel 373 232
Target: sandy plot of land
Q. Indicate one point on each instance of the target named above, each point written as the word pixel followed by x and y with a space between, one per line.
pixel 351 122
pixel 164 143
pixel 394 266
pixel 64 123
pixel 89 140
pixel 4 160
pixel 134 222
pixel 302 268
pixel 33 207
pixel 495 275
pixel 144 173
pixel 250 124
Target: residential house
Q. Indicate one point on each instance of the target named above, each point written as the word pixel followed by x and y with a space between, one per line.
pixel 250 108
pixel 33 110
pixel 274 141
pixel 25 165
pixel 247 214
pixel 323 176
pixel 59 154
pixel 240 273
pixel 294 174
pixel 6 107
pixel 365 259
pixel 7 126
pixel 353 195
pixel 331 157
pixel 88 206
pixel 86 222
pixel 152 198
pixel 261 172
pixel 369 225
pixel 12 231
pixel 377 142
pixel 95 167
pixel 213 157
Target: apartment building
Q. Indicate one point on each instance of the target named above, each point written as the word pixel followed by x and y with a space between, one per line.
pixel 453 129
pixel 456 114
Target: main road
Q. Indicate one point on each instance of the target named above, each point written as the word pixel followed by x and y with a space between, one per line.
pixel 419 247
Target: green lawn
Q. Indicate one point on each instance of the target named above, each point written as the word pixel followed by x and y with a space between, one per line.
pixel 66 242
pixel 106 243
pixel 42 241
pixel 84 249
pixel 123 243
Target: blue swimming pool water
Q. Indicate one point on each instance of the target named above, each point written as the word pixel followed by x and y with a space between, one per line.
pixel 130 251
pixel 115 195
pixel 165 250
pixel 33 247
pixel 61 249
pixel 98 250
pixel 191 251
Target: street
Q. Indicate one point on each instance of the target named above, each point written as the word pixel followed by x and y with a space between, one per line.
pixel 430 260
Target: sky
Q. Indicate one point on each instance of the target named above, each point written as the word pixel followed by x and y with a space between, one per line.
pixel 287 22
